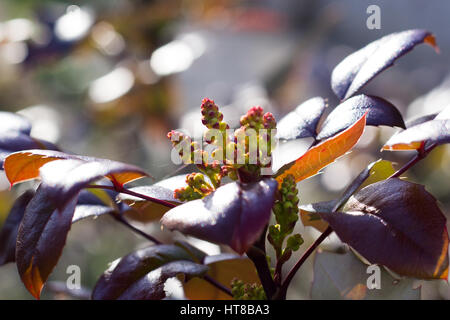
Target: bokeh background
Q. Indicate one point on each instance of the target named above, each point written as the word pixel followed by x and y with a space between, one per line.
pixel 109 78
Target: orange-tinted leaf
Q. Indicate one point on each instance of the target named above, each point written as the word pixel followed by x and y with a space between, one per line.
pixel 434 131
pixel 25 165
pixel 324 153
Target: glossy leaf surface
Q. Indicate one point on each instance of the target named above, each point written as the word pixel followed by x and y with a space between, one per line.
pixel 235 214
pixel 324 153
pixel 379 113
pixel 302 122
pixel 129 270
pixel 360 67
pixel 41 238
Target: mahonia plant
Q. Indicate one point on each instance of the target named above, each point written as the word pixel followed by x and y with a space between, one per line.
pixel 236 198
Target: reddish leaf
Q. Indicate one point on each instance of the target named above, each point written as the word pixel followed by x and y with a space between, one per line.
pixel 362 66
pixel 25 165
pixel 302 122
pixel 379 113
pixel 133 267
pixel 41 238
pixel 8 234
pixel 324 153
pixel 234 214
pixel 434 131
pixel 397 224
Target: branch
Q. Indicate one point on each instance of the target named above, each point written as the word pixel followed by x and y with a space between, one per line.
pixel 132 193
pixel 421 154
pixel 259 259
pixel 120 219
pixel 300 262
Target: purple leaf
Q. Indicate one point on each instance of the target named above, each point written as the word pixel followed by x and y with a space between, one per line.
pixel 131 268
pixel 8 233
pixel 234 214
pixel 41 238
pixel 397 224
pixel 379 112
pixel 302 122
pixel 415 121
pixel 362 66
pixel 151 286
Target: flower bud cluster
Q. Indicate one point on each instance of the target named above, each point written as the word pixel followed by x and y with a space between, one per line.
pixel 245 291
pixel 197 187
pixel 286 215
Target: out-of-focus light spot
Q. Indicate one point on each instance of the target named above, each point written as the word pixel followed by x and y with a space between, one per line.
pixel 178 55
pixel 173 57
pixel 42 35
pixel 111 86
pixel 195 42
pixel 107 39
pixel 145 74
pixel 336 176
pixel 46 122
pixel 74 24
pixel 16 30
pixel 13 52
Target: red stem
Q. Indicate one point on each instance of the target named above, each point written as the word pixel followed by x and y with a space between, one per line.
pixel 134 194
